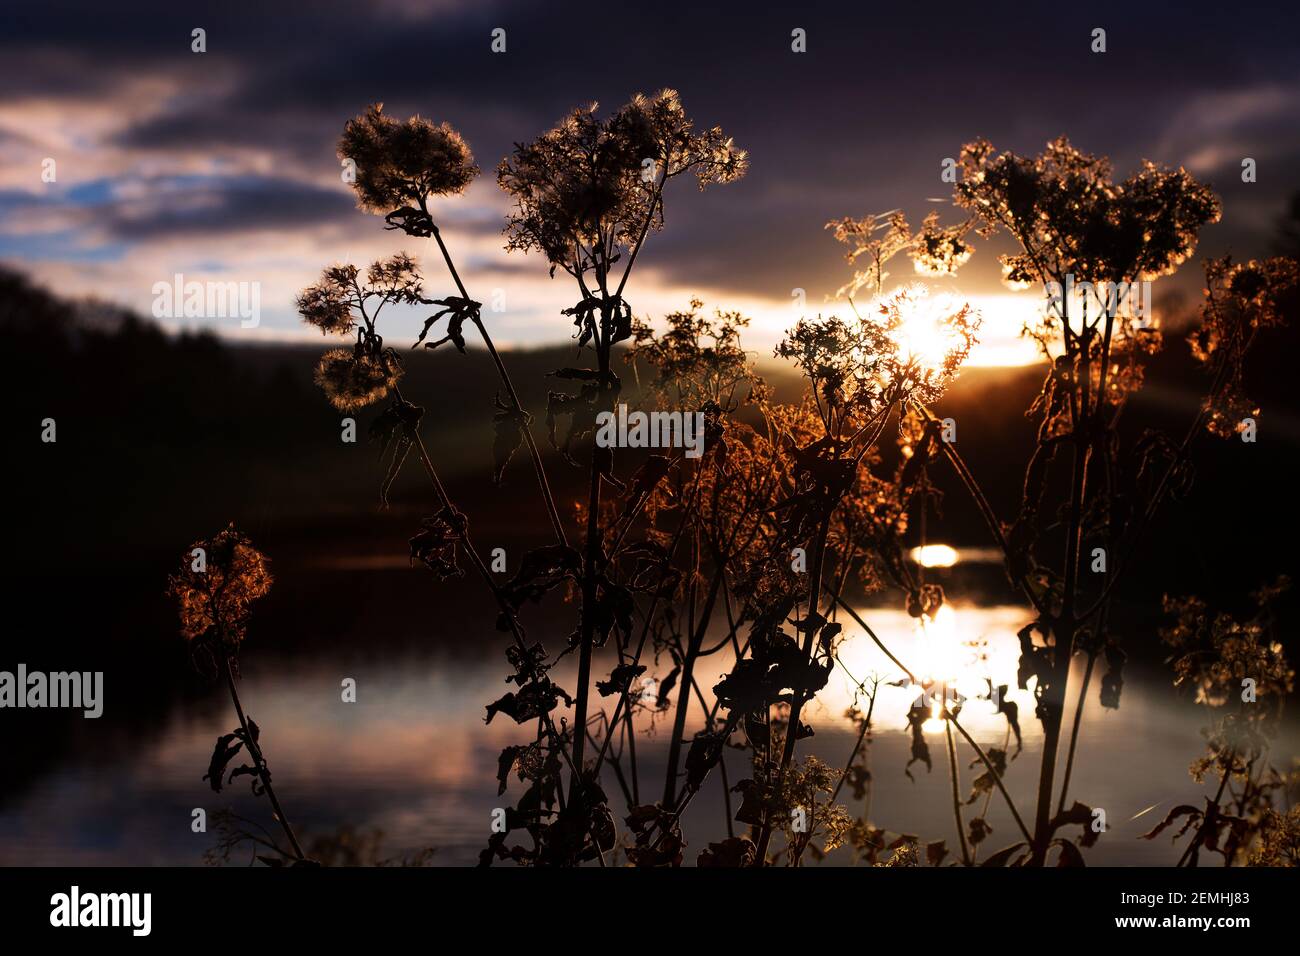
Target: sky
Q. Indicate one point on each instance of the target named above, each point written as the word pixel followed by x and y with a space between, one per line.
pixel 220 166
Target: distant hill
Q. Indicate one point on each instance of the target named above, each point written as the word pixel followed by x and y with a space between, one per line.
pixel 162 438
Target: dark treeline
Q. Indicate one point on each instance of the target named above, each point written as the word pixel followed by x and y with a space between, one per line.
pixel 160 434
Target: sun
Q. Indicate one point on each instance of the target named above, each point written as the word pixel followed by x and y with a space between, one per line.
pixel 927 336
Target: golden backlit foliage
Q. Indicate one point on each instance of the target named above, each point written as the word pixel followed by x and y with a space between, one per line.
pixel 1240 300
pixel 215 602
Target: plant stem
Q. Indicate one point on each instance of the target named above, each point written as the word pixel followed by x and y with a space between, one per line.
pixel 1063 630
pixel 259 762
pixel 985 509
pixel 588 617
pixel 1197 840
pixel 556 524
pixel 796 706
pixel 1074 731
pixel 956 793
pixel 694 642
pixel 862 736
pixel 413 435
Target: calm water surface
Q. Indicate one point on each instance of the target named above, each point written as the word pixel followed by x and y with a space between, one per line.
pixel 413 757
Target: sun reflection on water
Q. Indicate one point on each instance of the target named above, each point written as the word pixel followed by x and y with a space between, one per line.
pixel 935 555
pixel 963 650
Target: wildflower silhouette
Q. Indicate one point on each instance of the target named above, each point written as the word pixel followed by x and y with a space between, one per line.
pixel 587 195
pixel 749 548
pixel 400 166
pixel 935 250
pixel 218 582
pixel 1072 223
pixel 345 301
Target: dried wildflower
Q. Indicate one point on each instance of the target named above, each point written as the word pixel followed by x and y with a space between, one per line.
pixel 909 348
pixel 1227 410
pixel 697 360
pixel 905 854
pixel 800 804
pixel 860 236
pixel 399 165
pixel 838 358
pixel 1070 218
pixel 940 250
pixel 395 279
pixel 1214 653
pixel 353 379
pixel 1240 300
pixel 932 339
pixel 583 193
pixel 1279 843
pixel 1242 673
pixel 218 581
pixel 328 304
pixel 339 301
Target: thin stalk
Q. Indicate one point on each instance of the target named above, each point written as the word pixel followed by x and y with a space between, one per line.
pixel 848 765
pixel 862 736
pixel 588 617
pixel 556 524
pixel 1063 632
pixel 694 642
pixel 259 762
pixel 985 510
pixel 1158 495
pixel 956 793
pixel 623 702
pixel 1074 731
pixel 413 435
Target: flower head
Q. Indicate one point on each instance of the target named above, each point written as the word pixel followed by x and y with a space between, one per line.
pixel 354 378
pixel 1070 218
pixel 328 303
pixel 875 250
pixel 697 359
pixel 1240 300
pixel 589 189
pixel 400 164
pixel 940 250
pixel 218 581
pixel 910 346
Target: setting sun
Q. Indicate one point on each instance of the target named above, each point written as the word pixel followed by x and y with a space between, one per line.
pixel 927 335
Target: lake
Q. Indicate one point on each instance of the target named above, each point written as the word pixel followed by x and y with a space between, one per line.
pixel 413 758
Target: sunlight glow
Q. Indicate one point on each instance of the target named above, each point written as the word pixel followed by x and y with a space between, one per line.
pixel 966 647
pixel 941 655
pixel 935 556
pixel 925 336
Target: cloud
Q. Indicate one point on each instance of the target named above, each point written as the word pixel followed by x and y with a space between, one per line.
pixel 224 162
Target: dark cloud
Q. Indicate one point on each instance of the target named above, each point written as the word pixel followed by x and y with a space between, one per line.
pixel 222 206
pixel 858 124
